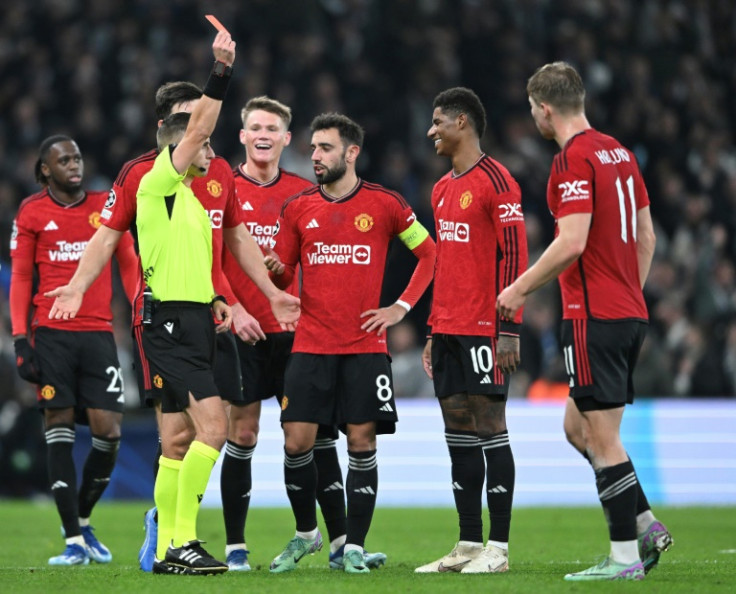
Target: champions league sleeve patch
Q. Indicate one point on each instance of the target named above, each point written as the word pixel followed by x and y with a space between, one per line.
pixel 111 198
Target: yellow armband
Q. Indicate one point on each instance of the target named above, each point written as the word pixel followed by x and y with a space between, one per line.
pixel 415 234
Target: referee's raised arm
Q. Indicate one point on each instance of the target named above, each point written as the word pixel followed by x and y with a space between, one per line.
pixel 204 116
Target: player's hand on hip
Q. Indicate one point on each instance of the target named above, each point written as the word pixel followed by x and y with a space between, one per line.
pixel 66 303
pixel 380 319
pixel 223 315
pixel 247 328
pixel 508 354
pixel 287 309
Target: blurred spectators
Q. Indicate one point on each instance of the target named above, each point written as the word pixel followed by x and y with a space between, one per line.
pixel 660 74
pixel 410 379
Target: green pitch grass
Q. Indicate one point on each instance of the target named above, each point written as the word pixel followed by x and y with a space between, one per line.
pixel 545 544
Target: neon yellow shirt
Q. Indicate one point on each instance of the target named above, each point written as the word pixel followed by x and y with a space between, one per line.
pixel 174 236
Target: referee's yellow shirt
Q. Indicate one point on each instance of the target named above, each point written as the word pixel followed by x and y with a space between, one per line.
pixel 174 236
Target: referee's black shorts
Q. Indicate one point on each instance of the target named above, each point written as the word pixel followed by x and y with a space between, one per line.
pixel 600 357
pixel 180 346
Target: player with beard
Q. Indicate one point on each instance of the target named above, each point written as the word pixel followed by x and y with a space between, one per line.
pixel 339 372
pixel 75 364
pixel 262 188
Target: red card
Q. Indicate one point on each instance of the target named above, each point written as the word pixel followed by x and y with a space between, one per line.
pixel 216 23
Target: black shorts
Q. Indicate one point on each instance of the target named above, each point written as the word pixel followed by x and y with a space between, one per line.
pixel 263 366
pixel 79 370
pixel 600 358
pixel 180 346
pixel 466 365
pixel 227 369
pixel 340 390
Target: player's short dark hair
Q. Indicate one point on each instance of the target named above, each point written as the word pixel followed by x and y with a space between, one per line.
pixel 265 103
pixel 172 129
pixel 171 93
pixel 43 152
pixel 350 132
pixel 558 84
pixel 459 100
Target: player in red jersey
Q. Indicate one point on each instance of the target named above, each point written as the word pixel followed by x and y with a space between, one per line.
pixel 216 192
pixel 603 248
pixel 74 364
pixel 481 248
pixel 339 372
pixel 264 348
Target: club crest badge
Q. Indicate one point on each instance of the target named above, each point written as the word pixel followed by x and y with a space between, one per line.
pixel 364 222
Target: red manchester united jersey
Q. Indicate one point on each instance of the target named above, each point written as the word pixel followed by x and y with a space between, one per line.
pixel 481 247
pixel 261 205
pixel 216 192
pixel 51 236
pixel 341 246
pixel 594 174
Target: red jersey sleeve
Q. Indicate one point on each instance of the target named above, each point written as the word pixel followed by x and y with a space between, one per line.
pixel 416 237
pixel 22 253
pixel 287 246
pixel 641 194
pixel 232 216
pixel 120 208
pixel 511 239
pixel 219 279
pixel 572 187
pixel 129 265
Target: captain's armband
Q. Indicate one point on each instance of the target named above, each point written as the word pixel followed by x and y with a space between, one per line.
pixel 415 234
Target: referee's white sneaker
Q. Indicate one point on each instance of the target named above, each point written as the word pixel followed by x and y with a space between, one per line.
pixel 492 560
pixel 463 553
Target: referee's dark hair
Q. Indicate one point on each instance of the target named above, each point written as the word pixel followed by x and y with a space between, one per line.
pixel 171 93
pixel 350 132
pixel 43 152
pixel 172 129
pixel 459 100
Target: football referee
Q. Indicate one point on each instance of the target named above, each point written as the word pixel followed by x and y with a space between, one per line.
pixel 175 240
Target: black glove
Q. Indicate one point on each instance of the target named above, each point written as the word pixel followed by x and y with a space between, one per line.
pixel 25 361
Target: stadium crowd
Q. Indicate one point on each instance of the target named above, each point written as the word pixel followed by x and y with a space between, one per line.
pixel 659 73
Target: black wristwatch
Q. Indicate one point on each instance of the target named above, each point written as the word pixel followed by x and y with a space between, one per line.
pixel 220 69
pixel 218 298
